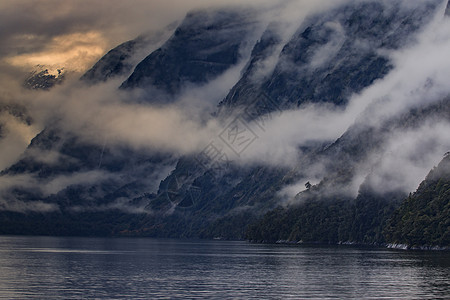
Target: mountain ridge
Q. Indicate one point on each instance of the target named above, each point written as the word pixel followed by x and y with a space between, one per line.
pixel 237 201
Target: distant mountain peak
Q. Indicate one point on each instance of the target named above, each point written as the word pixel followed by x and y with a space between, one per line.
pixel 44 78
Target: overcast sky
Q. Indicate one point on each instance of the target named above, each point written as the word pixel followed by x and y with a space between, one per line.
pixel 75 33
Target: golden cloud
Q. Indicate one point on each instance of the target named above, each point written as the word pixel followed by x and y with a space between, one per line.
pixel 73 52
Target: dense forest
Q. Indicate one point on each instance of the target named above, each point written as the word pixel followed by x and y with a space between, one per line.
pixel 422 220
pixel 424 217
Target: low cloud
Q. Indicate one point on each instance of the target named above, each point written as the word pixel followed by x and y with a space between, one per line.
pixel 25 207
pixel 75 52
pixel 409 156
pixel 15 135
pixel 419 79
pixel 103 113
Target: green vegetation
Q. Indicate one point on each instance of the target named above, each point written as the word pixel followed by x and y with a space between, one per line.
pixel 422 220
pixel 424 217
pixel 331 222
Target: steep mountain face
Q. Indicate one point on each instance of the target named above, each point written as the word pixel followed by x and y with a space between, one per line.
pixel 122 59
pixel 98 176
pixel 114 63
pixel 111 178
pixel 256 188
pixel 205 45
pixel 324 214
pixel 75 155
pixel 423 219
pixel 330 57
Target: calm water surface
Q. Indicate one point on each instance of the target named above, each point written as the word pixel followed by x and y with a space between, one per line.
pixel 74 268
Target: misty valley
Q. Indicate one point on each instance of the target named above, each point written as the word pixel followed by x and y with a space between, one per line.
pixel 329 125
pixel 325 123
pixel 273 149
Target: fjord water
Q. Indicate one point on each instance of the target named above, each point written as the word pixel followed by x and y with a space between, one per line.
pixel 74 268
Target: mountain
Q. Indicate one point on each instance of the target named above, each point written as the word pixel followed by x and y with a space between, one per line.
pixel 104 178
pixel 335 54
pixel 323 214
pixel 333 57
pixel 206 44
pixel 122 59
pixel 247 192
pixel 423 219
pixel 43 79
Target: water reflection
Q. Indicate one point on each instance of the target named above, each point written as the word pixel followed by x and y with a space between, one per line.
pixel 70 268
